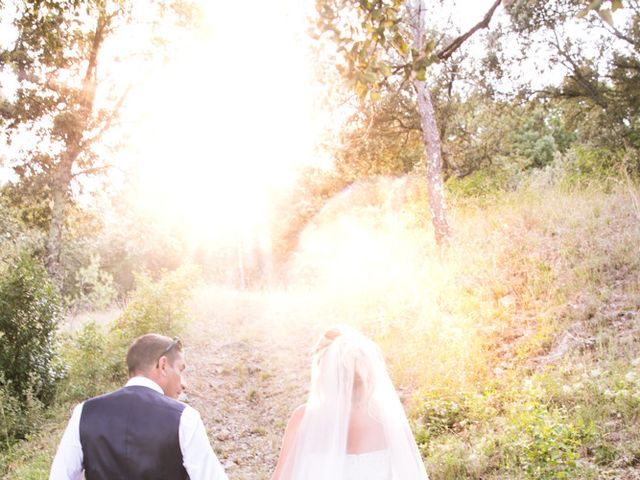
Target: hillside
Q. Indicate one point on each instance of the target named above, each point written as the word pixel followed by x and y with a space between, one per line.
pixel 516 350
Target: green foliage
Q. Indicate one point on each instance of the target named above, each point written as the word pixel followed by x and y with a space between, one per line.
pixel 593 165
pixel 384 138
pixel 37 469
pixel 131 244
pixel 380 43
pixel 29 314
pixel 475 127
pixel 484 183
pixel 440 412
pixel 373 28
pixel 94 288
pixel 19 416
pixel 29 371
pixel 599 94
pixel 159 306
pixel 16 237
pixel 96 356
pixel 540 137
pixel 94 362
pixel 544 443
pixel 30 200
pixel 508 429
pixel 31 458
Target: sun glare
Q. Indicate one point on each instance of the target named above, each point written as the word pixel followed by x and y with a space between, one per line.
pixel 229 120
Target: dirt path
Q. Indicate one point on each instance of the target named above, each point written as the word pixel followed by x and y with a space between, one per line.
pixel 248 356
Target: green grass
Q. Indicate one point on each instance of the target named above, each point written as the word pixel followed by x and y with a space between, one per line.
pixel 32 457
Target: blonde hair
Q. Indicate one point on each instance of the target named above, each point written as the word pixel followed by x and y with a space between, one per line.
pixel 357 352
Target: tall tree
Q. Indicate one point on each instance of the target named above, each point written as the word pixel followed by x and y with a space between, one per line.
pixel 600 89
pixel 71 87
pixel 381 45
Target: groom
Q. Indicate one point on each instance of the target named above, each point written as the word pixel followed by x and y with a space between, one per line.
pixel 140 432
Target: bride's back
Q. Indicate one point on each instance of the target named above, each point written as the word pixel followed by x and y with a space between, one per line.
pixel 365 432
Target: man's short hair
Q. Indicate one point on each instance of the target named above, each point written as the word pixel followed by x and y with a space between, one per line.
pixel 145 351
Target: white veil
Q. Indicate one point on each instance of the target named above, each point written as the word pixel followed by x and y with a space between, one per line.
pixel 348 369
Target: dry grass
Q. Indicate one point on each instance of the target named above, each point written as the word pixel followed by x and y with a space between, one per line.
pixel 537 289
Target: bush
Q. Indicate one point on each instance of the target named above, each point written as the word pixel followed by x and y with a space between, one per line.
pixel 96 355
pixel 158 306
pixel 18 417
pixel 94 288
pixel 94 364
pixel 593 166
pixel 445 411
pixel 438 414
pixel 544 443
pixel 482 183
pixel 29 314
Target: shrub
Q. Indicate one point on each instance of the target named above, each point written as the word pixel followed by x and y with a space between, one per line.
pixel 482 183
pixel 158 306
pixel 439 414
pixel 94 288
pixel 18 416
pixel 592 166
pixel 95 364
pixel 29 314
pixel 544 443
pixel 95 356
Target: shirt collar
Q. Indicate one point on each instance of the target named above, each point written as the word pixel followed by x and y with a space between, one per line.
pixel 144 382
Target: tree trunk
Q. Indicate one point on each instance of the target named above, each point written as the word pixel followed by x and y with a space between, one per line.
pixel 59 194
pixel 433 149
pixel 430 132
pixel 62 176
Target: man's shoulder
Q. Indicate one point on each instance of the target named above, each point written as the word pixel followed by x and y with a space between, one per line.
pixel 190 413
pixel 136 393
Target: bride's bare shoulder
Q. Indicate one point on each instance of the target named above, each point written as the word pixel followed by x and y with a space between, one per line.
pixel 297 414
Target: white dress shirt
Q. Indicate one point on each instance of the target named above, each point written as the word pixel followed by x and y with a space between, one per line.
pixel 197 455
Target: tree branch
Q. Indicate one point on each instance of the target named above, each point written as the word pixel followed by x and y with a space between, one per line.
pixel 108 122
pixel 447 51
pixel 89 81
pixel 90 171
pixel 579 77
pixel 617 33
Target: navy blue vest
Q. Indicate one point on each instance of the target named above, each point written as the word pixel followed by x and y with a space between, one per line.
pixel 132 434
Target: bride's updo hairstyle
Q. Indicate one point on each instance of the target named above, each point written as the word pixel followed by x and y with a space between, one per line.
pixel 344 359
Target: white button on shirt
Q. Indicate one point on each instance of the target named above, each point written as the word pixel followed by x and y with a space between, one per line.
pixel 197 455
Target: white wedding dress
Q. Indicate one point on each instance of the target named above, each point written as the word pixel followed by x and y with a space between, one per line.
pixel 368 466
pixel 363 466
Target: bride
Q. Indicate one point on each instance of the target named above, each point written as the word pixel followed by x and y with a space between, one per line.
pixel 353 426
